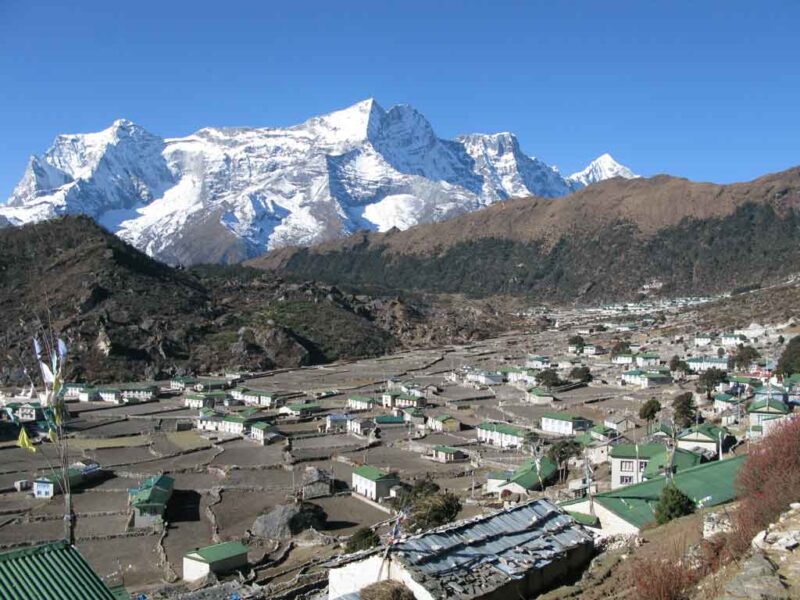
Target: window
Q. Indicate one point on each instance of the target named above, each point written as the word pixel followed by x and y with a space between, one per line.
pixel 626 465
pixel 642 465
pixel 626 479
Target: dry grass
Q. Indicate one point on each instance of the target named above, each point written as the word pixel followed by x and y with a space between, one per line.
pixel 187 440
pixel 128 441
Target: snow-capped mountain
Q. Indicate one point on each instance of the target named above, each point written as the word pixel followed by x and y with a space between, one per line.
pixel 230 194
pixel 601 168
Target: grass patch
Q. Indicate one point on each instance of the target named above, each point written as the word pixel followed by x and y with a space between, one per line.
pixel 128 441
pixel 187 440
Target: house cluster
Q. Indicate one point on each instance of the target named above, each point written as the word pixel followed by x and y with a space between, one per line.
pixel 124 394
pixel 79 475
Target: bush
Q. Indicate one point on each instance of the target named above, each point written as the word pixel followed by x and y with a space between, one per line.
pixel 432 511
pixel 662 578
pixel 362 539
pixel 549 378
pixel 767 483
pixel 581 374
pixel 386 590
pixel 672 504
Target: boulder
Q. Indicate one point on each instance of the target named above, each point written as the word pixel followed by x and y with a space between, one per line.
pixel 287 520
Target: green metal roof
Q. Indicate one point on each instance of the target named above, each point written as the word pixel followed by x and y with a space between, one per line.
pixel 768 405
pixel 645 451
pixel 54 571
pixel 371 473
pixel 443 418
pixel 558 416
pixel 300 407
pixel 712 483
pixel 218 552
pixel 389 420
pixel 153 494
pixel 363 399
pixel 712 432
pixel 446 449
pixel 527 475
pixel 503 428
pixel 682 459
pixel 584 519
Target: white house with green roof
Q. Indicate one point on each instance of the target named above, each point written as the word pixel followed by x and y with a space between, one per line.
pixel 373 483
pixel 261 398
pixel 362 403
pixel 562 423
pixel 444 423
pixel 149 501
pixel 447 454
pixel 732 339
pixel 704 437
pixel 701 364
pixel 502 435
pixel 218 559
pixel 765 409
pixel 538 362
pixel 627 510
pixel 198 400
pixel 539 396
pixel 300 409
pixel 527 478
pixel 648 359
pixel 622 359
pixel 629 462
pixel 724 402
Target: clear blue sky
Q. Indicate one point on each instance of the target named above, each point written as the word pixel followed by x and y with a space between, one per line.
pixel 705 90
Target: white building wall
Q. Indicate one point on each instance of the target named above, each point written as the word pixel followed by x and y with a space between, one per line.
pixel 610 523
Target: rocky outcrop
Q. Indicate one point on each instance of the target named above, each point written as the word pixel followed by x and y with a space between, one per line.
pixel 288 520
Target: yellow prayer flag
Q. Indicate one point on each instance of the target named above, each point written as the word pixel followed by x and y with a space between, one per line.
pixel 24 441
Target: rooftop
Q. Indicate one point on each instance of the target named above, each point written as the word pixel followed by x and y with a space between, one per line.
pixel 370 472
pixel 218 552
pixel 55 571
pixel 711 483
pixel 487 552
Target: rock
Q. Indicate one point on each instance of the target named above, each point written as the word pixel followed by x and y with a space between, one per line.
pixel 757 580
pixel 759 541
pixel 287 520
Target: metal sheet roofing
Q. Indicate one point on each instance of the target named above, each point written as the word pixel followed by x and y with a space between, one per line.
pixel 54 571
pixel 711 484
pixel 218 552
pixel 488 551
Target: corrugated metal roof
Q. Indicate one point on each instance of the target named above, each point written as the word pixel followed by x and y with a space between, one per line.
pixel 55 571
pixel 489 550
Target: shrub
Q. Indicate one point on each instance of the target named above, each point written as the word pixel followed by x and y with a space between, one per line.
pixel 768 482
pixel 386 590
pixel 432 511
pixel 362 539
pixel 581 374
pixel 661 579
pixel 672 504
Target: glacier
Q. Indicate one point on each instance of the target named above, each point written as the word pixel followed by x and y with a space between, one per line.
pixel 228 194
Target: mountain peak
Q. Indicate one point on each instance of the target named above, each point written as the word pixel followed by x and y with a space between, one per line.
pixel 348 125
pixel 601 168
pixel 227 193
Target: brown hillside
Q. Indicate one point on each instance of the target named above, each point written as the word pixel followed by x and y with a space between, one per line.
pixel 650 204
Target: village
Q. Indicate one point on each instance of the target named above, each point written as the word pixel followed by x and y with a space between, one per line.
pixel 254 483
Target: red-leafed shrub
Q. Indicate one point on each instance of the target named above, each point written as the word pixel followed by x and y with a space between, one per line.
pixel 665 577
pixel 768 482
